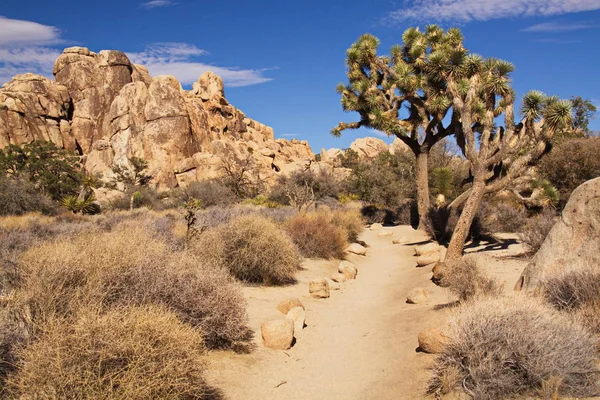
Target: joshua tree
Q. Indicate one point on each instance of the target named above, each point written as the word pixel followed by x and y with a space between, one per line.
pixel 402 95
pixel 449 91
pixel 133 177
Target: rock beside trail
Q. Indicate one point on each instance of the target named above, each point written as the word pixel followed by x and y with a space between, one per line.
pixel 428 258
pixel 573 242
pixel 287 304
pixel 319 288
pixel 339 278
pixel 426 248
pixel 348 269
pixel 356 248
pixel 278 334
pixel 333 285
pixel 438 273
pixel 298 315
pixel 400 240
pixel 432 341
pixel 384 233
pixel 376 227
pixel 416 296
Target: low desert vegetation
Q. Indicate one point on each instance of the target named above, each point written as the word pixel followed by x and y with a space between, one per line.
pixel 253 248
pixel 129 266
pixel 126 353
pixel 465 279
pixel 576 291
pixel 513 348
pixel 537 229
pixel 316 236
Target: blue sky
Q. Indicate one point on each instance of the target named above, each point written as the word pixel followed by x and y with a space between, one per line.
pixel 281 60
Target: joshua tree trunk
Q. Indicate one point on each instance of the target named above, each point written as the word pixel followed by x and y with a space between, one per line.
pixel 463 226
pixel 422 186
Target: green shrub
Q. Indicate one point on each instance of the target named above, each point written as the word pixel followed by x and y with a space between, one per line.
pixel 515 347
pixel 317 236
pixel 54 171
pixel 127 353
pixel 252 248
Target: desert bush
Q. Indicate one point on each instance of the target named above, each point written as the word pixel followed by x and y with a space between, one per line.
pixel 467 281
pixel 127 353
pixel 502 216
pixel 130 265
pixel 570 164
pixel 513 348
pixel 350 220
pixel 211 193
pixel 317 236
pixel 19 196
pixel 252 248
pixel 537 228
pixel 577 291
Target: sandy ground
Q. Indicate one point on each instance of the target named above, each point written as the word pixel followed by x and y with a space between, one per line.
pixel 361 342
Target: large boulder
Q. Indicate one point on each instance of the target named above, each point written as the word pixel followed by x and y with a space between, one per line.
pixel 369 147
pixel 573 241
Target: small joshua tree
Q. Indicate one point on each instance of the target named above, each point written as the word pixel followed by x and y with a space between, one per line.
pixel 133 177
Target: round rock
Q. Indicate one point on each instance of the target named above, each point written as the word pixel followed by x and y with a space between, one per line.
pixel 278 334
pixel 319 288
pixel 432 341
pixel 416 296
pixel 286 305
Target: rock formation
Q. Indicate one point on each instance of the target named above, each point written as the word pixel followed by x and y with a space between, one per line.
pixel 109 110
pixel 573 242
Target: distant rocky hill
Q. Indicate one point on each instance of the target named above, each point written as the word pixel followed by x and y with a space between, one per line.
pixel 109 109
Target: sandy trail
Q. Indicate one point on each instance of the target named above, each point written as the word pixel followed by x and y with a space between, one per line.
pixel 359 344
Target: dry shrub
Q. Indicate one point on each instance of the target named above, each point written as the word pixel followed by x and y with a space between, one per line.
pixel 502 216
pixel 316 236
pixel 537 228
pixel 509 347
pixel 467 281
pixel 576 291
pixel 127 353
pixel 350 220
pixel 130 266
pixel 252 248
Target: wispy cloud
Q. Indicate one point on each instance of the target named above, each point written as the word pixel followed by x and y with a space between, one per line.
pixel 24 48
pixel 180 60
pixel 157 3
pixel 556 41
pixel 560 27
pixel 483 10
pixel 289 135
pixel 16 32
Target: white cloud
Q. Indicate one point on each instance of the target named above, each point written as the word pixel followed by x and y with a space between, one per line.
pixel 289 135
pixel 483 10
pixel 179 59
pixel 16 32
pixel 22 48
pixel 157 3
pixel 560 27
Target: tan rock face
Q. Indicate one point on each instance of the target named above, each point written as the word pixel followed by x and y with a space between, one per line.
pixel 109 110
pixel 348 269
pixel 357 249
pixel 33 107
pixel 573 241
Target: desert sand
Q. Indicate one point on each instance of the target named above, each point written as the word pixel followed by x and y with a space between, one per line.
pixel 361 343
